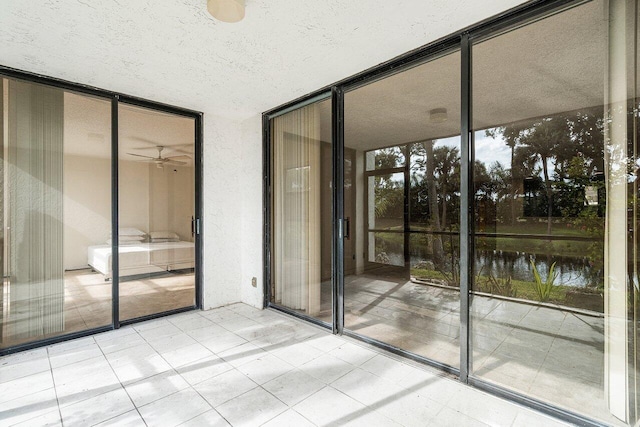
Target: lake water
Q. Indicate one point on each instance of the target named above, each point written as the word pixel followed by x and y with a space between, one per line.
pixel 569 271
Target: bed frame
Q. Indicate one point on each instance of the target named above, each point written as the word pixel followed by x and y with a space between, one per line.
pixel 143 258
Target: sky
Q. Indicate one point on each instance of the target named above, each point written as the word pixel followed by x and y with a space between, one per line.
pixel 490 150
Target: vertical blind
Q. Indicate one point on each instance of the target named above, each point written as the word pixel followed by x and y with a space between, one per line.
pixel 33 241
pixel 296 234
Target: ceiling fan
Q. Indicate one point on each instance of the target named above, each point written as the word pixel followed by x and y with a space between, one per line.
pixel 149 144
pixel 161 161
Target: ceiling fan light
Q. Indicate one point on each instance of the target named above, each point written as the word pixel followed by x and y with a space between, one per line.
pixel 226 10
pixel 438 115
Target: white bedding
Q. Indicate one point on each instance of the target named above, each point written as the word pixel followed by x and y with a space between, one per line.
pixel 143 258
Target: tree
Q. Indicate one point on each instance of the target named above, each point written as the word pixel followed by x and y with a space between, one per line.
pixel 438 251
pixel 387 191
pixel 512 136
pixel 447 170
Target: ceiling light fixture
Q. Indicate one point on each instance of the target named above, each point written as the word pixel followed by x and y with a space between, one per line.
pixel 438 115
pixel 226 10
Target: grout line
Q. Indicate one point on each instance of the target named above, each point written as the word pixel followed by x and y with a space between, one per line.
pixel 268 347
pixel 202 413
pixel 122 385
pixel 55 389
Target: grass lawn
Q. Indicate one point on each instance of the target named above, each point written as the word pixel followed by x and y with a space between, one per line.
pixel 537 246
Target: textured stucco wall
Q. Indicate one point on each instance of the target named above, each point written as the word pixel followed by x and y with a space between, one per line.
pixel 222 185
pixel 252 212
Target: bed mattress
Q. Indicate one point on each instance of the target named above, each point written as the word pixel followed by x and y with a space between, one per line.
pixel 143 257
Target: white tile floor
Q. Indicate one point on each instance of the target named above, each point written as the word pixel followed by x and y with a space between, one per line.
pixel 236 366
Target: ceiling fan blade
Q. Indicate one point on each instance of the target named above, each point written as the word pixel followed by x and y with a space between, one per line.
pixel 174 163
pixel 184 157
pixel 144 148
pixel 178 149
pixel 140 155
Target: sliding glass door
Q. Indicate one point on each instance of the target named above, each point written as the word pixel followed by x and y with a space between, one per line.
pixel 301 158
pixel 486 208
pixel 157 219
pixel 55 205
pixel 61 266
pixel 402 151
pixel 555 278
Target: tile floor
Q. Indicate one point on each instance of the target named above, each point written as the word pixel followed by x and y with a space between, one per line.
pixel 238 366
pixel 553 355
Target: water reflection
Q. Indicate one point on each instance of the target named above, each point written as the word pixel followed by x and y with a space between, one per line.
pixel 569 271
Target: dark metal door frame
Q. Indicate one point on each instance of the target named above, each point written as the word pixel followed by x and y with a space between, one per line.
pixel 116 99
pixel 198 224
pixel 462 41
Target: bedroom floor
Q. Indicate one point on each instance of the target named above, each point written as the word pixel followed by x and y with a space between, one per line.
pixel 88 299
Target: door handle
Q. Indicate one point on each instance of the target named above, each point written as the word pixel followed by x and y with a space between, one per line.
pixel 347 228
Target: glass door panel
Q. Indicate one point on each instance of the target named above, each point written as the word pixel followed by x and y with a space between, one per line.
pixel 555 283
pixel 401 199
pixel 301 245
pixel 157 212
pixel 55 210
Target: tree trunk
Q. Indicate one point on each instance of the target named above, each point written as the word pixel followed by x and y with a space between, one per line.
pixel 438 252
pixel 444 205
pixel 547 184
pixel 513 187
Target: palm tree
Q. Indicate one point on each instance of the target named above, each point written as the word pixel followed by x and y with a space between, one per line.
pixel 543 139
pixel 447 162
pixel 438 251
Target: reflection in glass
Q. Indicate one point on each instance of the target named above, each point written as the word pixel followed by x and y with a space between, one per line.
pixel 156 212
pixel 551 289
pixel 301 208
pixel 385 158
pixel 387 248
pixel 435 210
pixel 386 206
pixel 55 203
pixel 402 199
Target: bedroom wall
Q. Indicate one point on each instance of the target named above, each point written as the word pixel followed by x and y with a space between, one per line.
pixel 151 199
pixel 87 203
pixel 171 200
pixel 134 195
pixel 86 206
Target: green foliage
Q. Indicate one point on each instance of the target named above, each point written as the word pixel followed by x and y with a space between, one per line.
pixel 389 198
pixel 497 286
pixel 543 289
pixel 583 298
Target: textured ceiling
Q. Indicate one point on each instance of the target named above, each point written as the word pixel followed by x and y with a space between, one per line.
pixel 173 51
pixel 551 66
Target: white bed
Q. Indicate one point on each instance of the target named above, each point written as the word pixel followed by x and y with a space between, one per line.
pixel 143 258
